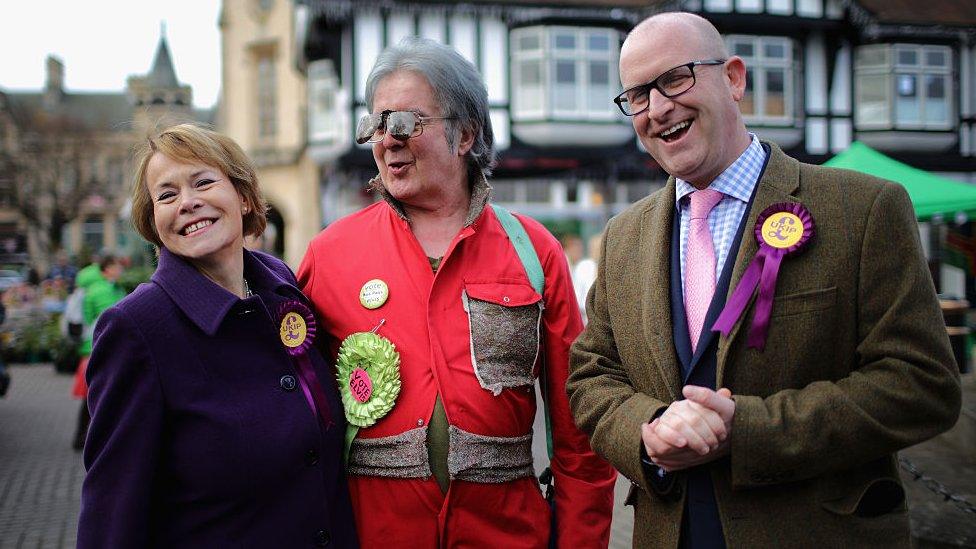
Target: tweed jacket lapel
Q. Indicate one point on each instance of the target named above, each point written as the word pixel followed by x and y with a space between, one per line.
pixel 779 183
pixel 654 271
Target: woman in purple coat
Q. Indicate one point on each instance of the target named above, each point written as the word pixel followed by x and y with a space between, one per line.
pixel 215 421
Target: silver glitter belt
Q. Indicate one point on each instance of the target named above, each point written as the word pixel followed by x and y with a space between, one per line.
pixel 397 456
pixel 470 457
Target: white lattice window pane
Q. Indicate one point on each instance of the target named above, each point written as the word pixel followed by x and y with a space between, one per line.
pixel 502 191
pixel 748 104
pixel 529 86
pixel 564 40
pixel 529 41
pixel 872 99
pixel 935 58
pixel 598 42
pixel 322 102
pixel 322 109
pixel 564 85
pixel 530 73
pixel 537 191
pixel 908 103
pixel 936 100
pixel 529 99
pixel 598 92
pixel 743 48
pixel 775 92
pixel 565 72
pixel 599 74
pixel 872 56
pixel 774 50
pixel 907 57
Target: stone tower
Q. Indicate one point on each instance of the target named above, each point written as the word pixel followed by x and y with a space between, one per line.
pixel 158 98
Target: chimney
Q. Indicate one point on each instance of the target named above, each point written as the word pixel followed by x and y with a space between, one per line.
pixel 54 88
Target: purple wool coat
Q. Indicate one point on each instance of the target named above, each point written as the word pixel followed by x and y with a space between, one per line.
pixel 201 435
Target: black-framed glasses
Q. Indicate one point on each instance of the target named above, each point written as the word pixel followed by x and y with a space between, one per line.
pixel 402 125
pixel 671 83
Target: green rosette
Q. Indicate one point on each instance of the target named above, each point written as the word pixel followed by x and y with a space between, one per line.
pixel 379 357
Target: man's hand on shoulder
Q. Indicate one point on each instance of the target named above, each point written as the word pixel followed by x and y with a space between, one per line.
pixel 691 431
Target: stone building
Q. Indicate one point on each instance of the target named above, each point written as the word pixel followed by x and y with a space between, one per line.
pixel 65 161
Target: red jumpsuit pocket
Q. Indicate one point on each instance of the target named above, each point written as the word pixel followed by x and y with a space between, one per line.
pixel 504 321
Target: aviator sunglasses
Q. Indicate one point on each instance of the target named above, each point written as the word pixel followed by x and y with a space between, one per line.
pixel 402 125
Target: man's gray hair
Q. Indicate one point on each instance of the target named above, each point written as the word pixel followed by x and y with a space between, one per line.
pixel 458 89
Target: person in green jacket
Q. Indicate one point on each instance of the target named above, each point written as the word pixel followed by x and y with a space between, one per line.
pixel 101 292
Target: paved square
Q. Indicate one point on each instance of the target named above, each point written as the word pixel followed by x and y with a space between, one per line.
pixel 40 475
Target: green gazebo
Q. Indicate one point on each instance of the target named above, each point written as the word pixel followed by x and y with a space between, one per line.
pixel 940 201
pixel 931 195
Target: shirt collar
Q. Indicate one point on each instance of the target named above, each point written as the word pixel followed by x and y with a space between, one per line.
pixel 480 193
pixel 738 180
pixel 203 300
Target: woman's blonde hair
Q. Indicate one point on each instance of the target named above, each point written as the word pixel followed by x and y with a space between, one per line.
pixel 195 143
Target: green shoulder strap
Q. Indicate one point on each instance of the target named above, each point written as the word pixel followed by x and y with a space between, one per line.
pixel 523 247
pixel 533 269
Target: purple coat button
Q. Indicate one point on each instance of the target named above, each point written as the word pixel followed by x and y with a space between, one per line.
pixel 288 382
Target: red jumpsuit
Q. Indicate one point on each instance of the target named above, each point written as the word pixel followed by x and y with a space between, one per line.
pixel 427 322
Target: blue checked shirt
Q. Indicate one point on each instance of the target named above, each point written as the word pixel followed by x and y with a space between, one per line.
pixel 736 183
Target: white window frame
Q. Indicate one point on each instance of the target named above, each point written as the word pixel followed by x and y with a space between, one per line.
pixel 93 231
pixel 324 118
pixel 760 65
pixel 888 69
pixel 547 55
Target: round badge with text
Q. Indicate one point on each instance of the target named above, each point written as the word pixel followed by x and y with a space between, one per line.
pixel 374 294
pixel 782 230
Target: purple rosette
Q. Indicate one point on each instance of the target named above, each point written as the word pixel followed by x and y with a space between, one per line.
pixel 782 229
pixel 296 328
pixel 296 337
pixel 795 208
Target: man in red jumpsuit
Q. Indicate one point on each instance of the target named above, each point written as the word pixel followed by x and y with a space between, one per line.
pixel 432 270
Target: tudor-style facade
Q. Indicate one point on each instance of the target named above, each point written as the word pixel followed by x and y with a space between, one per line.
pixel 566 154
pixel 899 75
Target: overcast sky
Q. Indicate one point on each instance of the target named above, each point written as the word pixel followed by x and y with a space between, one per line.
pixel 102 42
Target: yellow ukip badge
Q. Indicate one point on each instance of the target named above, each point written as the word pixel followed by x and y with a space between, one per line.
pixel 293 330
pixel 782 229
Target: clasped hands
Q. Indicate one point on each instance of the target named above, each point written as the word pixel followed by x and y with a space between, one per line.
pixel 692 431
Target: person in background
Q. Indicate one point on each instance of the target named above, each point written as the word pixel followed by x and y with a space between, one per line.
pixel 748 417
pixel 101 292
pixel 92 266
pixel 573 247
pixel 33 277
pixel 431 270
pixel 63 270
pixel 584 272
pixel 215 421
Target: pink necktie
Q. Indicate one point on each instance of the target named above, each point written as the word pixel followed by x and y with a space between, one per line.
pixel 699 262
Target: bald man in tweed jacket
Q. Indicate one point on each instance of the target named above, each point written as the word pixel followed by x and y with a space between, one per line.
pixel 792 445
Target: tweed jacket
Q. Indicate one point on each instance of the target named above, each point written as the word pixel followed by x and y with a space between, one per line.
pixel 857 365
